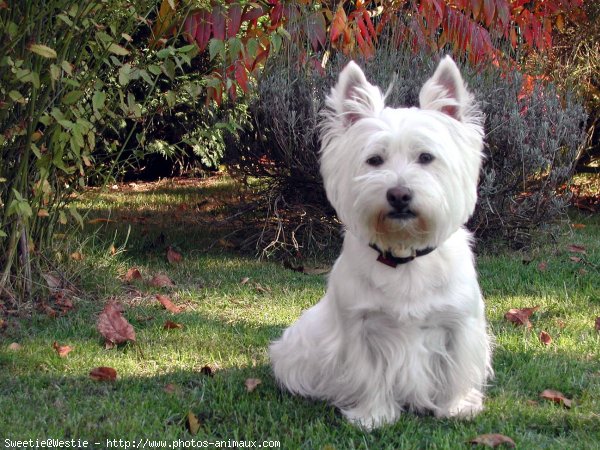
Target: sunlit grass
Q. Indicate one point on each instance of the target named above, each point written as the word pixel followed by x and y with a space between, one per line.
pixel 234 305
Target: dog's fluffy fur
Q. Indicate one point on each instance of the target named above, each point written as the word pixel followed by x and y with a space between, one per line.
pixel 413 337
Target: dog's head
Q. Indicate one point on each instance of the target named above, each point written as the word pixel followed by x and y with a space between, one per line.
pixel 405 178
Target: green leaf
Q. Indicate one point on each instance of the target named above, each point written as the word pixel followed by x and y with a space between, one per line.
pixel 118 50
pixel 2 234
pixel 43 50
pixel 54 73
pixel 67 67
pixel 252 47
pixel 72 97
pixel 124 73
pixel 215 47
pixel 76 215
pixel 17 97
pixel 168 68
pixel 154 69
pixel 98 100
pixel 275 42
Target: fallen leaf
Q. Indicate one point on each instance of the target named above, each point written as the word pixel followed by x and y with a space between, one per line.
pixel 133 274
pixel 169 325
pixel 112 250
pixel 15 347
pixel 77 256
pixel 64 303
pixel 207 370
pixel 161 280
pixel 556 397
pixel 578 226
pixel 192 423
pixel 168 304
pixel 52 281
pixel 575 258
pixel 173 256
pixel 520 316
pixel 576 248
pixel 316 270
pixel 170 388
pixel 493 440
pixel 261 289
pixel 113 326
pixel 100 220
pixel 103 374
pixel 62 350
pixel 542 266
pixel 244 280
pixel 597 325
pixel 531 403
pixel 252 383
pixel 545 338
pixel 226 244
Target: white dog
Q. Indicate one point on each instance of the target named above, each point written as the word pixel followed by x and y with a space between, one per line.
pixel 402 324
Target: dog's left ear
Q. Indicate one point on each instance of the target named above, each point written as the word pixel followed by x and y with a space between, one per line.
pixel 445 91
pixel 353 97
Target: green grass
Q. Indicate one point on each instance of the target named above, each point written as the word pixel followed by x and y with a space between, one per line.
pixel 228 325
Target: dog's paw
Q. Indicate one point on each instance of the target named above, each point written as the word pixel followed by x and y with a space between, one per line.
pixel 368 421
pixel 466 408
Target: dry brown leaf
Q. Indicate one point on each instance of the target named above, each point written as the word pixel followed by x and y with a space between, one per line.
pixel 132 274
pixel 192 423
pixel 173 256
pixel 77 256
pixel 575 258
pixel 244 280
pixel 207 370
pixel 542 266
pixel 252 383
pixel 493 440
pixel 15 347
pixel 62 350
pixel 578 226
pixel 556 397
pixel 170 388
pixel 100 220
pixel 574 248
pixel 113 326
pixel 520 316
pixel 168 304
pixel 545 338
pixel 161 280
pixel 169 325
pixel 52 281
pixel 103 374
pixel 597 324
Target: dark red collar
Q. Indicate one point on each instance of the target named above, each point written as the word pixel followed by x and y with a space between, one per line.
pixel 393 261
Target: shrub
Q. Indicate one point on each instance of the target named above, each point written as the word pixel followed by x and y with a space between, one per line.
pixel 532 138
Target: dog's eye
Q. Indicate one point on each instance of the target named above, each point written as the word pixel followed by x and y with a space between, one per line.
pixel 425 158
pixel 375 161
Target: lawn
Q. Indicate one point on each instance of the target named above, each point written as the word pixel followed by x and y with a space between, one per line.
pixel 233 305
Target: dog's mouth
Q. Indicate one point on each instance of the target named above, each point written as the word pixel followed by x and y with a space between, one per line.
pixel 405 214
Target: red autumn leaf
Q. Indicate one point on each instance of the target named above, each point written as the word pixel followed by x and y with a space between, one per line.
pixel 203 29
pixel 578 226
pixel 218 22
pixel 338 24
pixel 520 316
pixel 103 374
pixel 576 248
pixel 556 397
pixel 316 29
pixel 113 326
pixel 62 350
pixel 161 280
pixel 173 256
pixel 542 266
pixel 252 383
pixel 545 338
pixel 241 76
pixel 235 19
pixel 252 12
pixel 168 304
pixel 15 347
pixel 492 440
pixel 575 258
pixel 170 325
pixel 132 274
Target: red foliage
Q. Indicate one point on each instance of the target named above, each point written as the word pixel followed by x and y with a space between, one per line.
pixel 470 27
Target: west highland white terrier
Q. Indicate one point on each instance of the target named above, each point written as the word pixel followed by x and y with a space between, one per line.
pixel 402 325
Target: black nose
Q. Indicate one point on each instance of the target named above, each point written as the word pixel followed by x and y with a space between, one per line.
pixel 399 197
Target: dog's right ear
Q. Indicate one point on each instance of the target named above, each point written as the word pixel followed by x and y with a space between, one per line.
pixel 353 97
